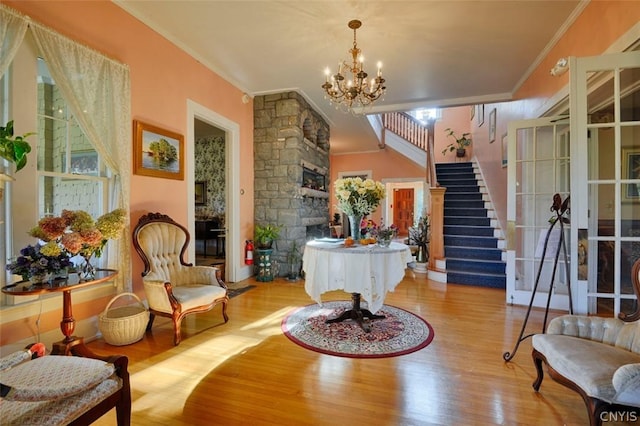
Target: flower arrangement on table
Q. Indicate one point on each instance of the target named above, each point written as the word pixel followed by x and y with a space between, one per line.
pixel 368 226
pixel 386 234
pixel 37 262
pixel 357 198
pixel 74 233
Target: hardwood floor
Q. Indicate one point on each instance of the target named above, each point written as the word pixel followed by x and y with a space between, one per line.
pixel 248 372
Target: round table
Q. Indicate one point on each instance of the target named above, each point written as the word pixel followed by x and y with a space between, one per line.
pixel 26 288
pixel 367 272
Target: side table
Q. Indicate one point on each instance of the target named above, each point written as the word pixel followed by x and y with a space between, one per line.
pixel 70 345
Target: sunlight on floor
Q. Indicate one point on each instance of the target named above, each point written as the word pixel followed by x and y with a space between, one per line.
pixel 161 389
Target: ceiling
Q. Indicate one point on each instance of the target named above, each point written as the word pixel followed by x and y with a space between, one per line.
pixel 434 53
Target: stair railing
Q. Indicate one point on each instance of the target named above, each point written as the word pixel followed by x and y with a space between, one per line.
pixel 415 132
pixel 407 127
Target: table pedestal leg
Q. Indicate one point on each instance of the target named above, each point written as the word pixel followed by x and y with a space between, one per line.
pixel 361 316
pixel 67 326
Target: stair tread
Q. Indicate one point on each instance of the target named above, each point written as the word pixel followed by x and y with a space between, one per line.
pixel 475 260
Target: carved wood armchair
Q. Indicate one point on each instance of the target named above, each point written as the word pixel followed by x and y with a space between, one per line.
pixel 173 287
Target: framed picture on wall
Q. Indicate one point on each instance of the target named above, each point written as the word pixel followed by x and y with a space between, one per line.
pixel 505 146
pixel 492 126
pixel 83 163
pixel 480 115
pixel 200 193
pixel 631 170
pixel 362 174
pixel 157 152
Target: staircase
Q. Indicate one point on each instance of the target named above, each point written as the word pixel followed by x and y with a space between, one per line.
pixel 472 250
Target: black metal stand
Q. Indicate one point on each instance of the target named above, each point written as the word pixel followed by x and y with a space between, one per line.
pixel 559 208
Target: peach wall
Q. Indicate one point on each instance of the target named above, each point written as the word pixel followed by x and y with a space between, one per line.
pixel 163 78
pixel 600 25
pixel 385 164
pixel 457 119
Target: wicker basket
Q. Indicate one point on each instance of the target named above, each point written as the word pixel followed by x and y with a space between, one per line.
pixel 123 325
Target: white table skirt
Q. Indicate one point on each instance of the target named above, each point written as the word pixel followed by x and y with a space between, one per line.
pixel 369 270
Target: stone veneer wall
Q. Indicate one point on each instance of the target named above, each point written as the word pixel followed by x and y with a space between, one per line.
pixel 288 134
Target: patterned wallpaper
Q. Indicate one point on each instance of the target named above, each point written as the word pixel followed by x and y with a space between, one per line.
pixel 210 167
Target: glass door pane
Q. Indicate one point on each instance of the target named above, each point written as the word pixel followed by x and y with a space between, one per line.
pixel 542 169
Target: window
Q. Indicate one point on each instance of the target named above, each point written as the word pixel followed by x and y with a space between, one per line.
pixel 427 114
pixel 70 173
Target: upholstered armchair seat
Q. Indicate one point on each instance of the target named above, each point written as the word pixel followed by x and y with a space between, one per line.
pixel 198 292
pixel 62 390
pixel 173 287
pixel 597 357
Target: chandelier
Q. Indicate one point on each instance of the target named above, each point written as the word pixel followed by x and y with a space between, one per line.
pixel 352 88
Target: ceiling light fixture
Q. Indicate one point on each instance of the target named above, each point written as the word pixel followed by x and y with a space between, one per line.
pixel 356 91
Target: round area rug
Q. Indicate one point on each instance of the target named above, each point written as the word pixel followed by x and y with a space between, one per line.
pixel 400 333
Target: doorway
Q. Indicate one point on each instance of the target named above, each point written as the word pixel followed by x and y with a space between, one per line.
pixel 403 211
pixel 413 201
pixel 227 202
pixel 210 194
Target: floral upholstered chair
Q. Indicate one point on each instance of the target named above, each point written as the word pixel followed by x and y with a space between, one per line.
pixel 62 390
pixel 173 287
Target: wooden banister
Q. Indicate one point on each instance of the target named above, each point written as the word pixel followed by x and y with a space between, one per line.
pixel 416 133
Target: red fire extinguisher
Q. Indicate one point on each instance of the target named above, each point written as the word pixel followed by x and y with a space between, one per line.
pixel 248 252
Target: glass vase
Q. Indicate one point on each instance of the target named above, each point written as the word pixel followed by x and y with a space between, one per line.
pixel 86 271
pixel 423 254
pixel 40 278
pixel 384 241
pixel 354 225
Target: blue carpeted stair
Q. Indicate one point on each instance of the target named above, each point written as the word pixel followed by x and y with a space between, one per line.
pixel 470 247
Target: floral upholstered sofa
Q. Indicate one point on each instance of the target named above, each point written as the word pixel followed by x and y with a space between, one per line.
pixel 61 390
pixel 597 357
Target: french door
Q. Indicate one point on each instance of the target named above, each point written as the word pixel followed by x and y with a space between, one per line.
pixel 538 167
pixel 593 156
pixel 605 95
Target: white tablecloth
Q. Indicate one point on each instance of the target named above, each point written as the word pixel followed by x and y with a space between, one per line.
pixel 369 270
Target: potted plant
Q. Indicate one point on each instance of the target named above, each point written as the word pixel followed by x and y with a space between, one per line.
pixel 265 235
pixel 293 258
pixel 460 144
pixel 14 148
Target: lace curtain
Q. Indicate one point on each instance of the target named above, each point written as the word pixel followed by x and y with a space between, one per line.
pixel 97 90
pixel 13 27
